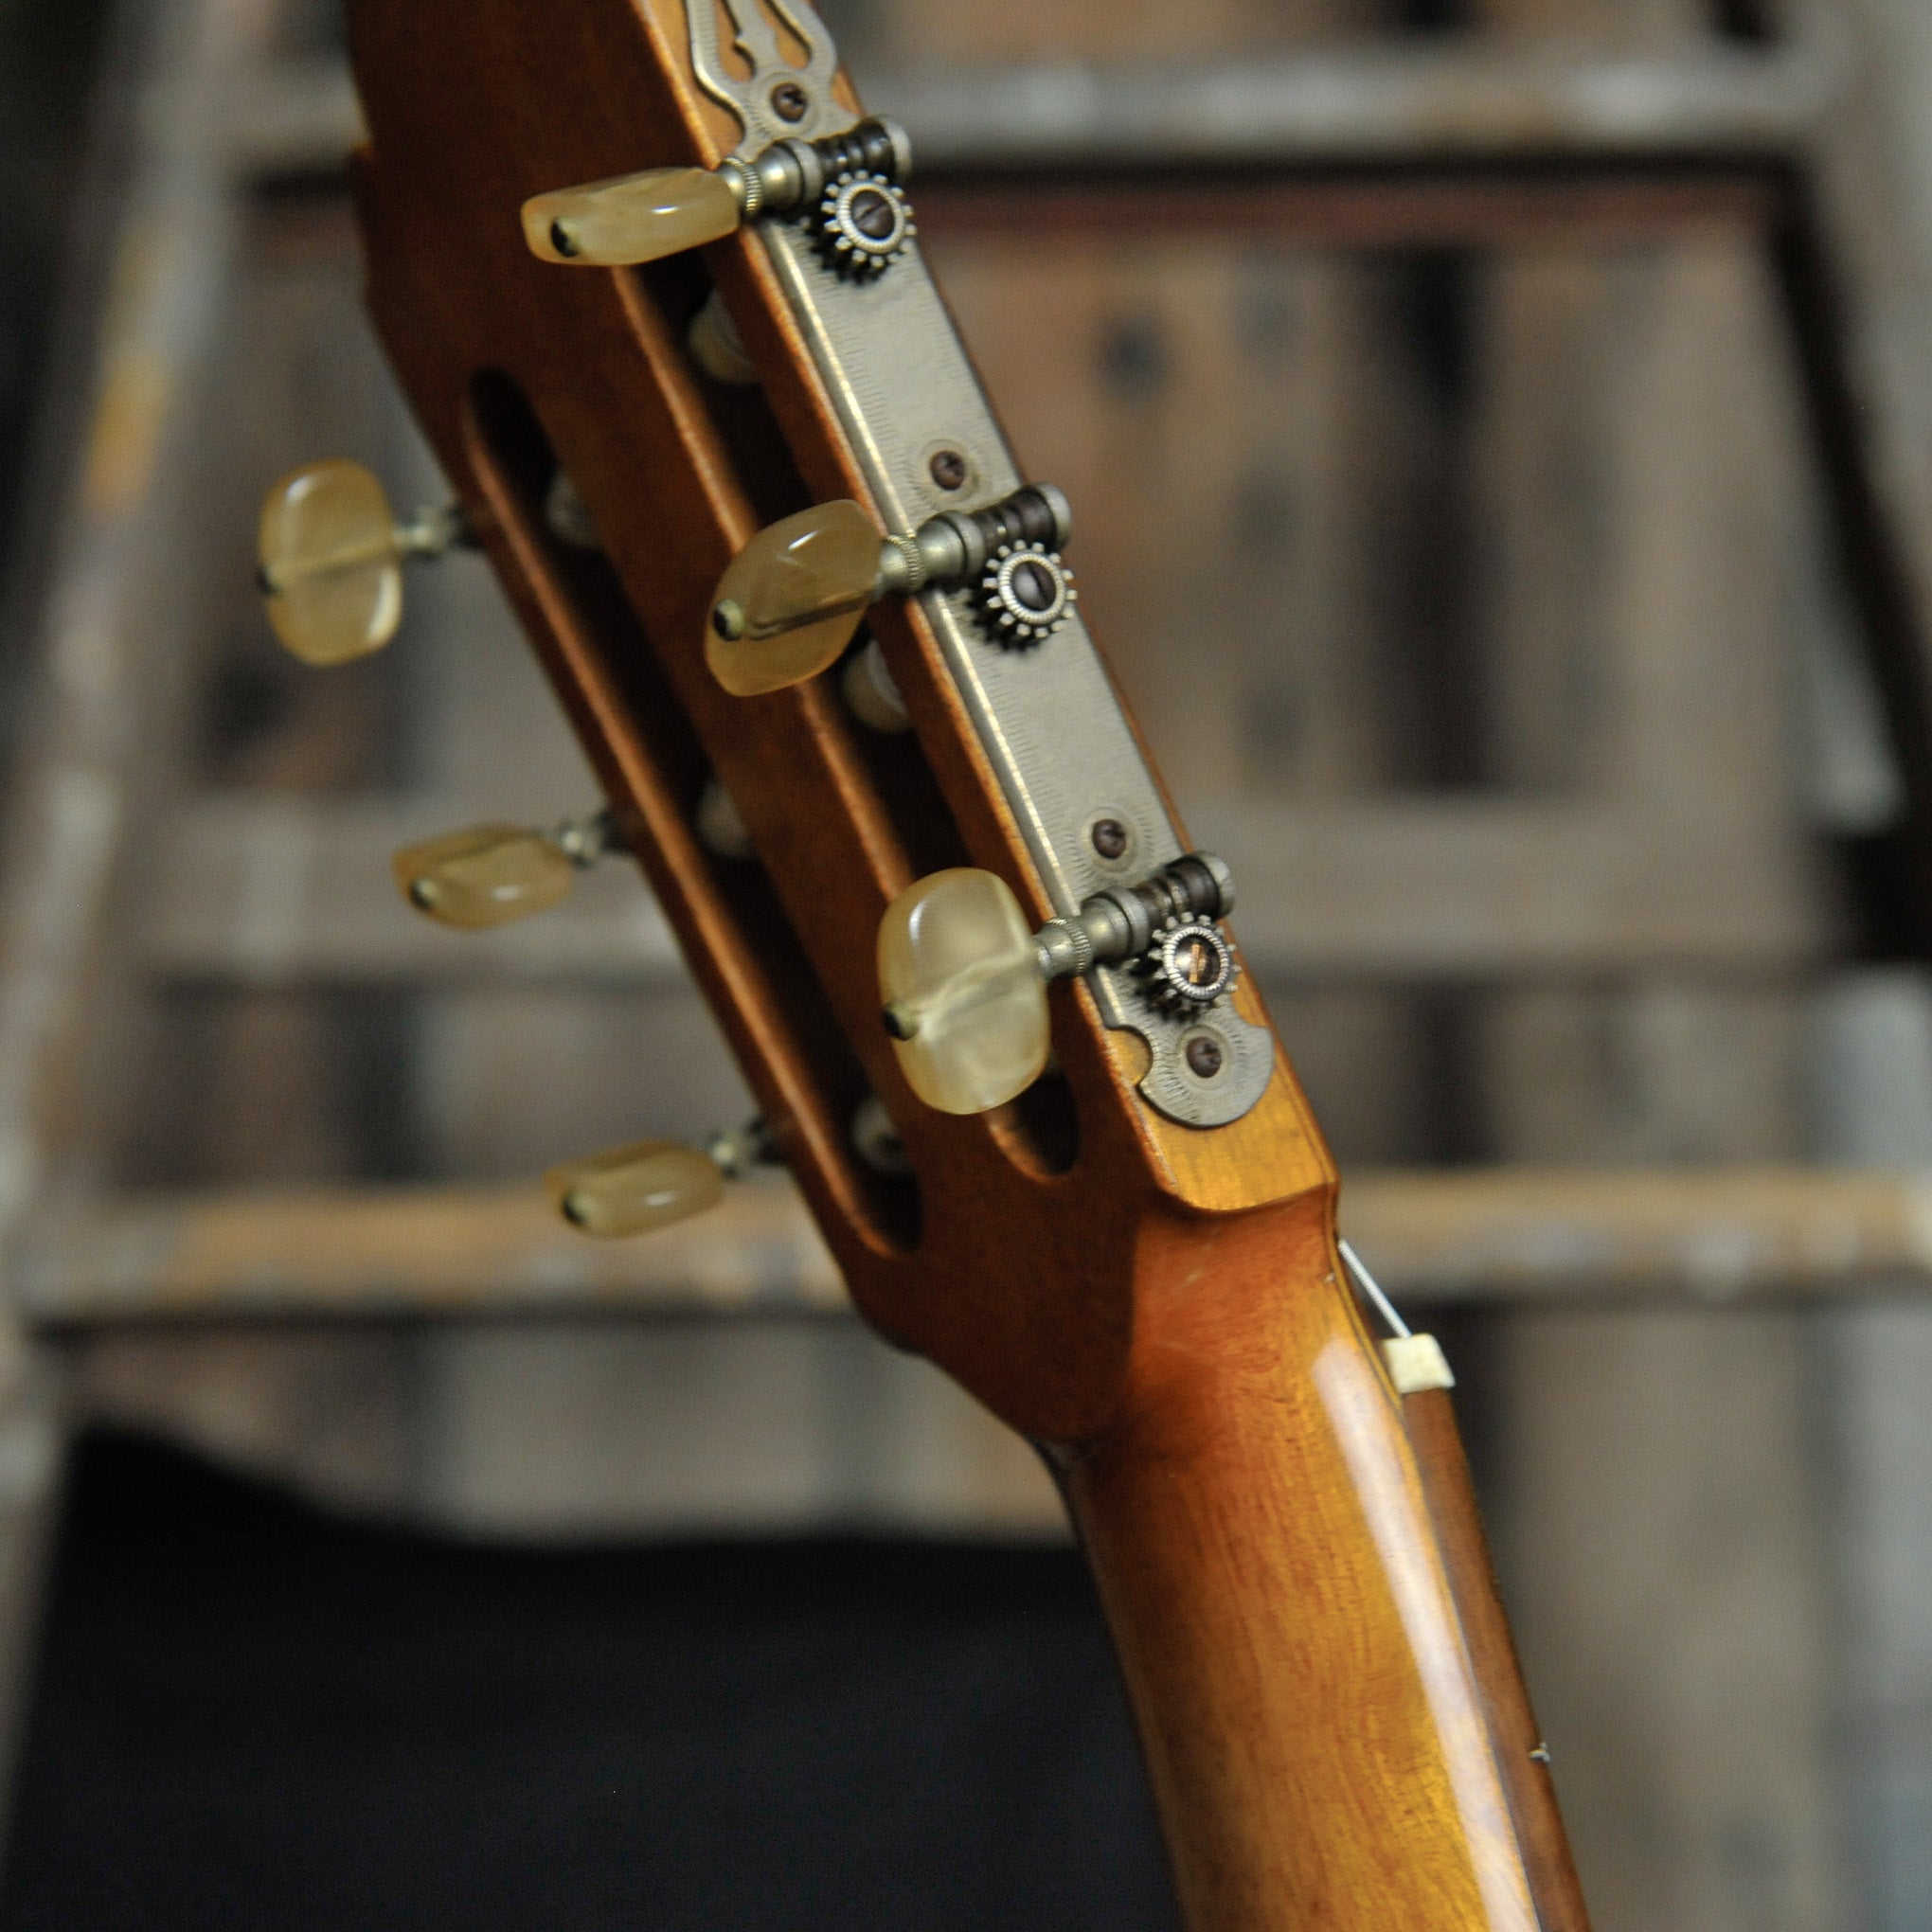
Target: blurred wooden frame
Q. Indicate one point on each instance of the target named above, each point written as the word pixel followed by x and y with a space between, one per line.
pixel 1447 147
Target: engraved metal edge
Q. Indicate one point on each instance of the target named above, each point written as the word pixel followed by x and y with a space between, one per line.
pixel 756 39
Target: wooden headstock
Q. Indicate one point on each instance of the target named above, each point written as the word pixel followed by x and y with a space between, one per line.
pixel 1133 1262
pixel 519 367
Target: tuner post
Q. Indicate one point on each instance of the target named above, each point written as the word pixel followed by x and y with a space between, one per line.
pixel 1168 923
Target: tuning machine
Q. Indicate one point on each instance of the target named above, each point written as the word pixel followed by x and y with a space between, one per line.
pixel 330 551
pixel 788 604
pixel 964 979
pixel 493 874
pixel 650 1183
pixel 848 184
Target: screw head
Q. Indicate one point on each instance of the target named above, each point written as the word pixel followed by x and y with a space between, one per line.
pixel 564 236
pixel 1198 963
pixel 1109 838
pixel 1203 1056
pixel 871 214
pixel 790 101
pixel 727 619
pixel 948 468
pixel 1034 585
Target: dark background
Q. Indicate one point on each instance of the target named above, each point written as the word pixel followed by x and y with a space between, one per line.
pixel 252 1713
pixel 255 1715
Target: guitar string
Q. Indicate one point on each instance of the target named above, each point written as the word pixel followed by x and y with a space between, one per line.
pixel 1368 1287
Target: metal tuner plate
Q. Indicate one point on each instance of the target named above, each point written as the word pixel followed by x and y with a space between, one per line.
pixel 1046 716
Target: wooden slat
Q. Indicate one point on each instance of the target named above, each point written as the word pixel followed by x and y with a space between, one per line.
pixel 405 1252
pixel 1485 205
pixel 1444 887
pixel 1390 105
pixel 1370 106
pixel 1708 1238
pixel 293 116
pixel 273 890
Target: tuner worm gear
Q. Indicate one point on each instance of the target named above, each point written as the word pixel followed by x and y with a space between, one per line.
pixel 862 222
pixel 1188 966
pixel 1024 594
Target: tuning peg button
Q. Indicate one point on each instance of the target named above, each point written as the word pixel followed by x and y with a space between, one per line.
pixel 631 218
pixel 493 874
pixel 965 996
pixel 650 1183
pixel 330 553
pixel 634 1189
pixel 788 606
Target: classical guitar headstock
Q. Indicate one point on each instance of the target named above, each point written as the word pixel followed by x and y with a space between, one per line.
pixel 653 282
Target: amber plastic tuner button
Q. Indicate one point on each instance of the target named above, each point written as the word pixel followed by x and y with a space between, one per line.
pixel 330 563
pixel 965 997
pixel 792 598
pixel 486 876
pixel 634 1189
pixel 631 218
pixel 329 553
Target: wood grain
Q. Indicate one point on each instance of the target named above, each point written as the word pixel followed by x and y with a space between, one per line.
pixel 1521 1754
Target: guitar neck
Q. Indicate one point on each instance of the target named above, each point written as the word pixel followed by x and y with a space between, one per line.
pixel 1321 1749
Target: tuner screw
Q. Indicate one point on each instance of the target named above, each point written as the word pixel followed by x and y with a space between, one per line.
pixel 790 101
pixel 948 470
pixel 1024 594
pixel 1188 966
pixel 862 222
pixel 1203 1056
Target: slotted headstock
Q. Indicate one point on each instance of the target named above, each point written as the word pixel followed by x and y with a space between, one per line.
pixel 757 370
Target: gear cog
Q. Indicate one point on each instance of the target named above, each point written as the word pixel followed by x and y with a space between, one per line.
pixel 1024 594
pixel 1188 966
pixel 863 221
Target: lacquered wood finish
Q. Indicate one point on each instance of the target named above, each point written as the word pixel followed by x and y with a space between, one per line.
pixel 1262 1546
pixel 1159 1305
pixel 1521 1753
